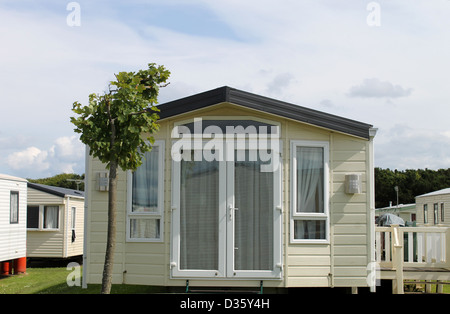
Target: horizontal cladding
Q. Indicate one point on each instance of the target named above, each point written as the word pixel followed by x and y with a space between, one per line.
pixel 45 243
pixel 12 235
pixel 349 214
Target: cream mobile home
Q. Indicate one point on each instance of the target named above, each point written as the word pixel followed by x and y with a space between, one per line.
pixel 13 219
pixel 55 222
pixel 241 190
pixel 433 209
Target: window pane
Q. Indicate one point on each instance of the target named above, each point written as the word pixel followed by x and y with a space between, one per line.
pixel 51 217
pixel 199 212
pixel 425 213
pixel 33 217
pixel 254 217
pixel 145 184
pixel 14 207
pixel 145 228
pixel 435 214
pixel 74 215
pixel 310 185
pixel 309 229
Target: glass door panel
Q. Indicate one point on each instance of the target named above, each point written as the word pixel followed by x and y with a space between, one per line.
pixel 226 217
pixel 253 220
pixel 199 215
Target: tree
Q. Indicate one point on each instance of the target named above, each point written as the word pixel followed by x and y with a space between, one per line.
pixel 410 182
pixel 64 180
pixel 112 125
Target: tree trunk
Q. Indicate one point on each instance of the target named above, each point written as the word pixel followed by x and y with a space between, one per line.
pixel 112 192
pixel 111 237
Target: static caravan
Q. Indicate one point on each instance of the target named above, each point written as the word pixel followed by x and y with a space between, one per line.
pixel 55 222
pixel 433 209
pixel 240 190
pixel 13 220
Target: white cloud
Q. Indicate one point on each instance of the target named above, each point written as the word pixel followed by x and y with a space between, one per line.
pixel 373 87
pixel 68 148
pixel 29 159
pixel 65 156
pixel 403 147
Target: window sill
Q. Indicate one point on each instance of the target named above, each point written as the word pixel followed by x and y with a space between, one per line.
pixel 44 230
pixel 324 242
pixel 145 241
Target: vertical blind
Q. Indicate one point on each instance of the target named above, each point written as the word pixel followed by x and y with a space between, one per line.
pixel 254 217
pixel 199 214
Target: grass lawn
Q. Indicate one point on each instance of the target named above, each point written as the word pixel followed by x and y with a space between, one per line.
pixel 53 281
pixel 421 288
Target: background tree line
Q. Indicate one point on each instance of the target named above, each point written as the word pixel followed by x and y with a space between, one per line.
pixel 63 180
pixel 410 182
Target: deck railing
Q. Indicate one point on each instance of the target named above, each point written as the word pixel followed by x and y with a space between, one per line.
pixel 420 247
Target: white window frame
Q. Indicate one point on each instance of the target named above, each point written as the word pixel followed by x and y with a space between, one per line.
pixel 59 218
pixel 436 213
pixel 73 222
pixel 425 213
pixel 295 216
pixel 151 215
pixel 276 273
pixel 41 218
pixel 176 228
pixel 39 214
pixel 14 212
pixel 226 234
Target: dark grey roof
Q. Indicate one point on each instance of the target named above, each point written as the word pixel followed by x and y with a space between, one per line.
pixel 62 192
pixel 265 104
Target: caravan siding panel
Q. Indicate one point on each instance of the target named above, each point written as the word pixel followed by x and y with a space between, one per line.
pixel 350 215
pixel 96 227
pixel 74 237
pixel 60 242
pixel 46 243
pixel 307 265
pixel 12 235
pixel 36 197
pixel 443 201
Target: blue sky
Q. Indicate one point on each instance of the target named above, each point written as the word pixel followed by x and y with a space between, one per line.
pixel 386 66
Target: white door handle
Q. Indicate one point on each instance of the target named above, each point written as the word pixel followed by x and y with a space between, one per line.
pixel 232 209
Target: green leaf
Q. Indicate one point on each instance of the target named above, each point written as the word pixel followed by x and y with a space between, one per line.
pixel 129 96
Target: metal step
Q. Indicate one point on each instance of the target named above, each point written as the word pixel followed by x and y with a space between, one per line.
pixel 224 290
